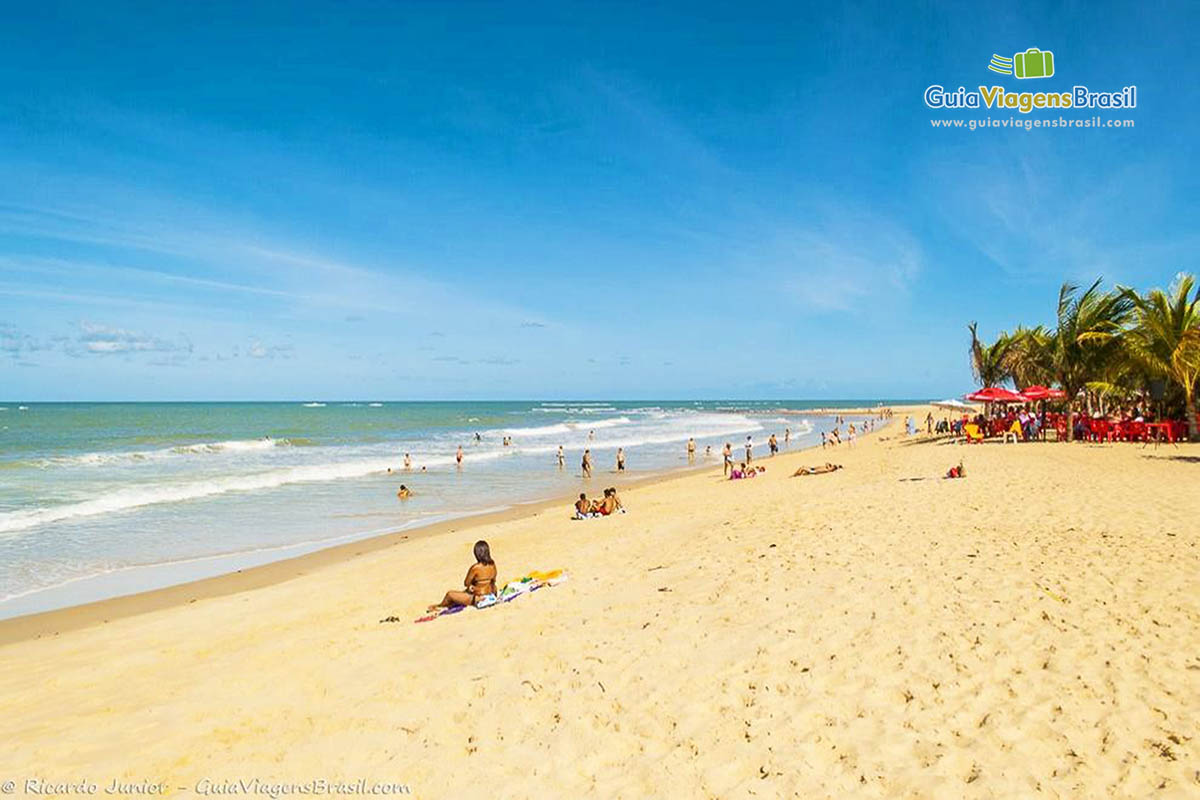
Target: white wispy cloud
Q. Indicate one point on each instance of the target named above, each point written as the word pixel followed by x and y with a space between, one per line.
pixel 207 254
pixel 837 273
pixel 1032 219
pixel 16 343
pixel 99 339
pixel 841 261
pixel 259 350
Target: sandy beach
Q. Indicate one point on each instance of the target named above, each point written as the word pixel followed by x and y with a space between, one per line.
pixel 1031 630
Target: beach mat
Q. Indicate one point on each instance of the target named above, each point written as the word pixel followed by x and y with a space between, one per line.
pixel 526 584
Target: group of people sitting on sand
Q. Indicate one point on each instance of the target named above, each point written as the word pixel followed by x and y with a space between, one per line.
pixel 742 471
pixel 589 509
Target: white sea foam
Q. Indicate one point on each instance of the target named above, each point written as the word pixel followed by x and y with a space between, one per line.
pixel 628 442
pixel 313 405
pixel 156 494
pixel 575 409
pixel 563 427
pixel 153 494
pixel 200 448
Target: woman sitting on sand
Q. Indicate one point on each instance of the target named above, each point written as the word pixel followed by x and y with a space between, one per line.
pixel 480 582
pixel 827 467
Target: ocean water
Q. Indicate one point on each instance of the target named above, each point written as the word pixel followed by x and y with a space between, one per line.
pixel 103 499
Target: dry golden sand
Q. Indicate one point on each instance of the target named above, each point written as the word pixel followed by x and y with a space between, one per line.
pixel 1030 631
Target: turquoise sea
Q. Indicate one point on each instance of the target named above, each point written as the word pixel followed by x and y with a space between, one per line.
pixel 102 499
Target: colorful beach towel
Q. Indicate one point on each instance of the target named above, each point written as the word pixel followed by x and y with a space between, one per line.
pixel 526 584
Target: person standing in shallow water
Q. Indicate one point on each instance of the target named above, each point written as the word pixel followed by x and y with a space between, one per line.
pixel 562 459
pixel 458 456
pixel 586 463
pixel 620 459
pixel 691 449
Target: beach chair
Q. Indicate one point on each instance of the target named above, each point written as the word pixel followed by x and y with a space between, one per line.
pixel 1013 432
pixel 972 434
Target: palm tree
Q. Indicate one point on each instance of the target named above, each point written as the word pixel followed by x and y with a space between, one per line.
pixel 1029 356
pixel 1086 337
pixel 989 363
pixel 1165 337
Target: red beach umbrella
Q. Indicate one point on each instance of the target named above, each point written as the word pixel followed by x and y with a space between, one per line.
pixel 996 394
pixel 1043 393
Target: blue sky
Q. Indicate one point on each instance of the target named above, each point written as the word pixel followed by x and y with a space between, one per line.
pixel 444 200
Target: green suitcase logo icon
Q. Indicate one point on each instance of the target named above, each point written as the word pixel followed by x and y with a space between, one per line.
pixel 1033 63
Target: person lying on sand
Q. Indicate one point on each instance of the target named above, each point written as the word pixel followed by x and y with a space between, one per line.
pixel 404 492
pixel 827 467
pixel 480 582
pixel 742 471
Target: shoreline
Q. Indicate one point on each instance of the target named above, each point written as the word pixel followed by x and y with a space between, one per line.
pixel 56 621
pixel 98 612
